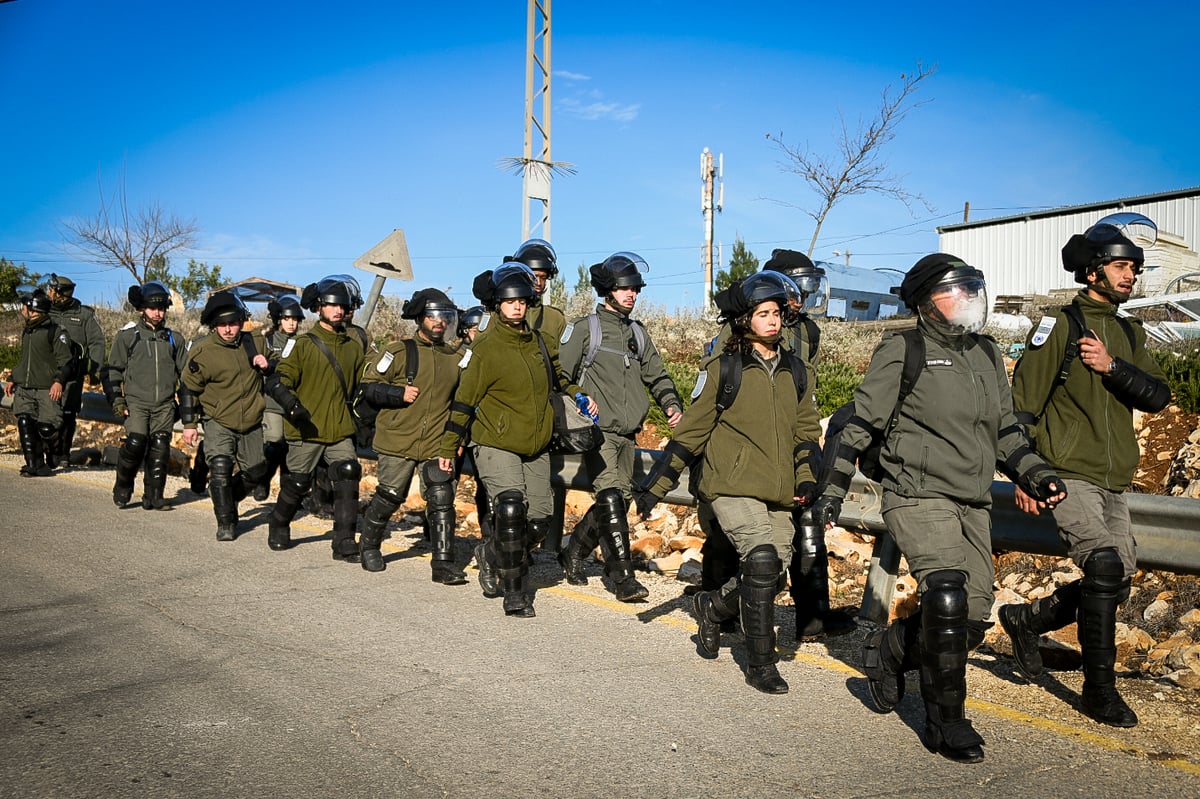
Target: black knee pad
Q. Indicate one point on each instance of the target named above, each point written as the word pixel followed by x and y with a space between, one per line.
pixel 944 602
pixel 136 445
pixel 509 510
pixel 296 484
pixel 1103 571
pixel 46 430
pixel 610 506
pixel 439 496
pixel 345 470
pixel 220 467
pixel 762 567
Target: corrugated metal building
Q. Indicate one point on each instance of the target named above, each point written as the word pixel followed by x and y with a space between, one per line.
pixel 1021 254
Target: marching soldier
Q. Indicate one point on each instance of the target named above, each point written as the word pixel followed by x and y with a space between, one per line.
pixel 286 314
pixel 413 399
pixel 140 380
pixel 79 321
pixel 36 385
pixel 610 355
pixel 313 383
pixel 223 381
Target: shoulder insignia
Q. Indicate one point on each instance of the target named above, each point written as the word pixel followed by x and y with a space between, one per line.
pixel 188 347
pixel 129 325
pixel 466 358
pixel 566 333
pixel 700 381
pixel 384 363
pixel 483 322
pixel 1043 331
pixel 287 348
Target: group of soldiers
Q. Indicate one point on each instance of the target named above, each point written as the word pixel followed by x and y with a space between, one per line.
pixel 483 383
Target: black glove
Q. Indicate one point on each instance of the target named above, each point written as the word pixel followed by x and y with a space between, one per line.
pixel 1044 486
pixel 826 510
pixel 806 493
pixel 645 502
pixel 297 414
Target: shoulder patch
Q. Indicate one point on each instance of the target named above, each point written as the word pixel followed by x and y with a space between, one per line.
pixel 466 358
pixel 700 381
pixel 938 362
pixel 1043 331
pixel 483 322
pixel 188 347
pixel 382 365
pixel 566 333
pixel 129 325
pixel 287 348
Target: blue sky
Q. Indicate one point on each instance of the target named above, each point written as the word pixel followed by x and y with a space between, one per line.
pixel 299 134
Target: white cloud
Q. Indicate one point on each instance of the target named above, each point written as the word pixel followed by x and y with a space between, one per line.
pixel 562 73
pixel 600 110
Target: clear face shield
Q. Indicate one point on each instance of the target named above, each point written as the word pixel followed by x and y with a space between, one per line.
pixel 356 300
pixel 961 301
pixel 444 318
pixel 814 289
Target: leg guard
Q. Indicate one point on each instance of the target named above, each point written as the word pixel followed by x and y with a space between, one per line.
pixel 31 445
pixel 758 585
pixel 944 668
pixel 221 491
pixel 374 526
pixel 129 458
pixel 1025 624
pixel 292 488
pixel 551 541
pixel 257 480
pixel 584 538
pixel 613 524
pixel 439 509
pixel 887 654
pixel 344 477
pixel 198 474
pixel 483 510
pixel 154 479
pixel 809 572
pixel 1102 589
pixel 48 434
pixel 66 436
pixel 713 609
pixel 320 502
pixel 508 544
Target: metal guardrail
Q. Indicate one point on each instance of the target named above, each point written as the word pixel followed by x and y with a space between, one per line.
pixel 1167 528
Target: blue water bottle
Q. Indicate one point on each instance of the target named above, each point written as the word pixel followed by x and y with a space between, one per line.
pixel 581 402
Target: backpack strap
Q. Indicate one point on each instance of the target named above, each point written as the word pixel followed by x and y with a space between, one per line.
pixel 729 380
pixel 914 362
pixel 411 356
pixel 595 338
pixel 814 336
pixel 337 367
pixel 249 347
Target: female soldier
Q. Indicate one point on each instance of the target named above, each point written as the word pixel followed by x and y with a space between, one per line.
pixel 286 315
pixel 941 445
pixel 503 402
pixel 753 419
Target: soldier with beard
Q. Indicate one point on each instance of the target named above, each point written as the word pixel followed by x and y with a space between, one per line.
pixel 414 405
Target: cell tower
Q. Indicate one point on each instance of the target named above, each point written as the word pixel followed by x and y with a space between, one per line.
pixel 714 186
pixel 535 166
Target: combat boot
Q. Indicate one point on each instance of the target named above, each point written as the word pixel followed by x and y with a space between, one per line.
pixel 713 609
pixel 759 583
pixel 612 521
pixel 945 641
pixel 154 478
pixel 30 446
pixel 292 488
pixel 888 653
pixel 439 511
pixel 344 476
pixel 129 457
pixel 1104 587
pixel 583 540
pixel 374 527
pixel 221 491
pixel 508 544
pixel 809 571
pixel 1025 624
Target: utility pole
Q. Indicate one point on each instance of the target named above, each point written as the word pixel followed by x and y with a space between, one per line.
pixel 713 177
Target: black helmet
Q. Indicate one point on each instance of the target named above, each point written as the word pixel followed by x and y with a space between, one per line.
pixel 743 296
pixel 512 280
pixel 287 305
pixel 808 277
pixel 1111 239
pixel 64 287
pixel 356 300
pixel 470 318
pixel 151 294
pixel 619 270
pixel 538 255
pixel 224 307
pixel 34 299
pixel 431 302
pixel 330 290
pixel 933 271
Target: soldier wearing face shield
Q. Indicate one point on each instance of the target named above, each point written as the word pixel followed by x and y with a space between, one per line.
pixel 285 314
pixel 408 430
pixel 140 381
pixel 1082 424
pixel 502 405
pixel 313 384
pixel 941 448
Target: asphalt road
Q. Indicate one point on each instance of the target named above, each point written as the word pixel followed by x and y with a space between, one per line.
pixel 139 657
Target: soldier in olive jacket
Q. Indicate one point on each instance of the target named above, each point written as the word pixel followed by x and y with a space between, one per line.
pixel 140 381
pixel 79 321
pixel 408 430
pixel 1083 426
pixel 36 385
pixel 616 367
pixel 758 454
pixel 286 314
pixel 313 383
pixel 938 457
pixel 223 381
pixel 503 405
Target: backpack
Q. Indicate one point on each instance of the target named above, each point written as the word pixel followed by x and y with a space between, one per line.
pixel 729 378
pixel 1075 329
pixel 595 336
pixel 364 413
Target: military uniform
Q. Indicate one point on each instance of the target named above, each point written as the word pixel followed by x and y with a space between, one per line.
pixel 45 360
pixel 79 321
pixel 141 378
pixel 229 390
pixel 617 380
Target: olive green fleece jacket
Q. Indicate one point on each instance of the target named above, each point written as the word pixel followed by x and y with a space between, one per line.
pixel 1086 433
pixel 952 429
pixel 547 320
pixel 762 446
pixel 503 396
pixel 79 321
pixel 414 431
pixel 230 389
pixel 307 373
pixel 45 355
pixel 617 380
pixel 144 364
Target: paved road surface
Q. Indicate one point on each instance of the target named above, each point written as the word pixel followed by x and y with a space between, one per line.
pixel 142 658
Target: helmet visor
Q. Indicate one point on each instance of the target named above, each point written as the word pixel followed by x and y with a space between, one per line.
pixel 963 303
pixel 447 315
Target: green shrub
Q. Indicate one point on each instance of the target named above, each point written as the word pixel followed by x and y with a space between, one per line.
pixel 1182 370
pixel 9 355
pixel 836 383
pixel 684 373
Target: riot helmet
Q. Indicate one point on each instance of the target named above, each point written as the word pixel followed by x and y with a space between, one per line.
pixel 331 290
pixel 539 256
pixel 285 306
pixel 34 299
pixel 947 289
pixel 619 270
pixel 356 300
pixel 470 318
pixel 60 288
pixel 433 304
pixel 808 277
pixel 224 307
pixel 151 294
pixel 1122 236
pixel 511 281
pixel 737 302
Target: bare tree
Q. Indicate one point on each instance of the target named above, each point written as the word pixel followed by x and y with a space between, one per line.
pixel 859 166
pixel 133 240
